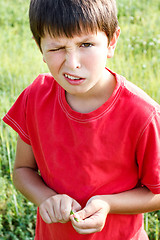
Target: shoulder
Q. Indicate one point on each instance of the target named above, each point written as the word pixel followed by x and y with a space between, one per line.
pixel 44 80
pixel 42 85
pixel 136 98
pixel 136 109
pixel 42 88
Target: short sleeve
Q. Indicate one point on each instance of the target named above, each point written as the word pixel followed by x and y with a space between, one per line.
pixel 16 116
pixel 148 154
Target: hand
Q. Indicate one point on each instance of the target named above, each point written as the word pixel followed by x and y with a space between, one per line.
pixel 92 218
pixel 57 208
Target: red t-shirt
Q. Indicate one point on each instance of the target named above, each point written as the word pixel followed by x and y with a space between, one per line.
pixel 110 150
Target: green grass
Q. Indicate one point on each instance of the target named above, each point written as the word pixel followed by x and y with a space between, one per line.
pixel 137 57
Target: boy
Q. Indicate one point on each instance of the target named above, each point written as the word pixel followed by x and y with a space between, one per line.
pixel 93 136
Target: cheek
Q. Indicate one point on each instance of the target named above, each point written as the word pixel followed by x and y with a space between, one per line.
pixel 54 63
pixel 96 61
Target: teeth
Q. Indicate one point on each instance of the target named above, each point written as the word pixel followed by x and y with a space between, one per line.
pixel 71 77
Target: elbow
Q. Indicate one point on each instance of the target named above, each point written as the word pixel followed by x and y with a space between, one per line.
pixel 16 177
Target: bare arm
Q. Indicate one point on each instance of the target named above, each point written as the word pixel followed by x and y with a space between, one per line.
pixel 25 175
pixel 53 207
pixel 138 200
pixel 92 217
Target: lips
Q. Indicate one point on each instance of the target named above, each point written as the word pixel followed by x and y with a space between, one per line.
pixel 71 77
pixel 74 80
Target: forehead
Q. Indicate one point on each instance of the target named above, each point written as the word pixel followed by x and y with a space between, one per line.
pixel 49 40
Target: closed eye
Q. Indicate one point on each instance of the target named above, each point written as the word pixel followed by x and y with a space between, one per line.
pixel 56 49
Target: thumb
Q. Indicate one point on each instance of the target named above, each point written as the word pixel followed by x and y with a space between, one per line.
pixel 86 212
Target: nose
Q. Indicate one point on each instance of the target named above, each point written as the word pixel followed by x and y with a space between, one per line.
pixel 72 59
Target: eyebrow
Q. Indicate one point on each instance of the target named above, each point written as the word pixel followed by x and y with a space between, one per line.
pixel 56 44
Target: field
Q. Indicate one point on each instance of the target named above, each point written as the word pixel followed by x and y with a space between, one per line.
pixel 137 57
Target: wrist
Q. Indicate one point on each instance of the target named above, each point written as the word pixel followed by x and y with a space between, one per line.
pixel 48 193
pixel 103 200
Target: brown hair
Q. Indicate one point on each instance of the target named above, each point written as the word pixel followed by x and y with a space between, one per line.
pixel 72 17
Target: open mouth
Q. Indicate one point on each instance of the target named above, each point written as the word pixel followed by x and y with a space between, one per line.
pixel 71 77
pixel 74 80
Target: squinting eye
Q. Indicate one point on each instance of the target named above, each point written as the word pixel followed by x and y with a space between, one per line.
pixel 86 45
pixel 56 49
pixel 53 50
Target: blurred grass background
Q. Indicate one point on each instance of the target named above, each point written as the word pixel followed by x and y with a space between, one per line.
pixel 137 57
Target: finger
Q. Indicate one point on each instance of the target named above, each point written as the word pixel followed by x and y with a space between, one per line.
pixel 86 212
pixel 85 231
pixel 94 205
pixel 57 209
pixel 86 226
pixel 89 222
pixel 65 208
pixel 76 206
pixel 94 223
pixel 47 211
pixel 51 214
pixel 45 216
pixel 67 204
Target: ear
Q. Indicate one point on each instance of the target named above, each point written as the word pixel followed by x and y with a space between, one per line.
pixel 44 60
pixel 37 44
pixel 39 49
pixel 113 43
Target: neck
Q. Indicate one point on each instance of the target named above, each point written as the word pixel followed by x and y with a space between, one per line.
pixel 94 99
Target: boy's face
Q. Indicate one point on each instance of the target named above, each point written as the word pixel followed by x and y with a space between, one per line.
pixel 78 63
